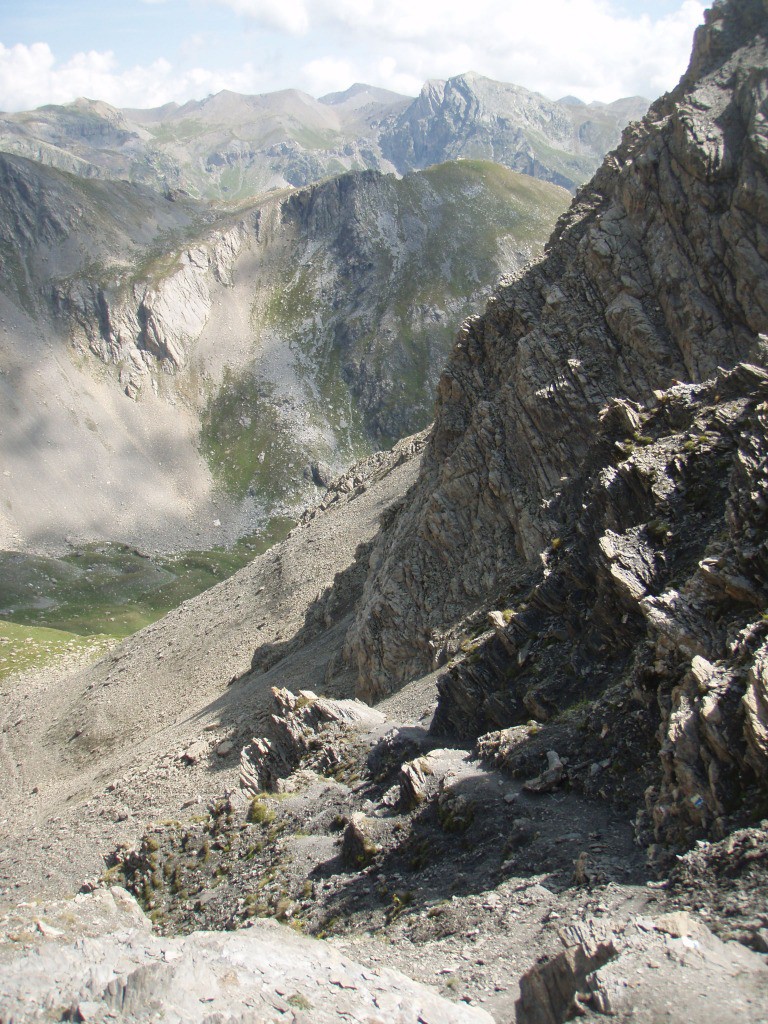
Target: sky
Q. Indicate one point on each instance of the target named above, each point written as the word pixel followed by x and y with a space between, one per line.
pixel 143 53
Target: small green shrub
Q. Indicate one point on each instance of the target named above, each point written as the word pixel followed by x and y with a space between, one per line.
pixel 260 813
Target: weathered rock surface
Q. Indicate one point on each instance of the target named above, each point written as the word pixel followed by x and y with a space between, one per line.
pixel 609 514
pixel 300 724
pixel 95 958
pixel 616 514
pixel 655 275
pixel 635 971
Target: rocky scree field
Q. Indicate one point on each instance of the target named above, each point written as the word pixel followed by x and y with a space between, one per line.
pixel 554 601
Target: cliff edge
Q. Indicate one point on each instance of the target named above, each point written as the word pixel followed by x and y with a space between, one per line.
pixel 596 475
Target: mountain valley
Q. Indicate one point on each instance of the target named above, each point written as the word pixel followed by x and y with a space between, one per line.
pixel 483 735
pixel 306 327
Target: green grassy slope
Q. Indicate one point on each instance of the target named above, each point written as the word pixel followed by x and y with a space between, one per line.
pixel 83 601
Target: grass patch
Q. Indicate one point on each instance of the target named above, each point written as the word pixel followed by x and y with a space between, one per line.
pixel 248 443
pixel 104 592
pixel 24 647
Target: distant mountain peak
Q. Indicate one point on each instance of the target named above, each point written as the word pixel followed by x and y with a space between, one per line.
pixel 361 89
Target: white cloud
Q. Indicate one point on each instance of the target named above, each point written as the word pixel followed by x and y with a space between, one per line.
pixel 30 77
pixel 585 47
pixel 555 46
pixel 323 75
pixel 289 16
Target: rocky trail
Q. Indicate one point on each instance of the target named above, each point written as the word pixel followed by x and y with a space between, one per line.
pixel 352 824
pixel 509 901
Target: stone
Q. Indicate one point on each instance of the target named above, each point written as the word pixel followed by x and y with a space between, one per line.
pixel 549 993
pixel 303 727
pixel 195 752
pixel 414 782
pixel 606 411
pixel 358 848
pixel 109 964
pixel 549 779
pixel 322 474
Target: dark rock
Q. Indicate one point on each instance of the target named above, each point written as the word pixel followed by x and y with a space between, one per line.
pixel 322 475
pixel 549 992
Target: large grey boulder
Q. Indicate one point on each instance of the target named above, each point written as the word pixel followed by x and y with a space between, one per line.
pixel 96 958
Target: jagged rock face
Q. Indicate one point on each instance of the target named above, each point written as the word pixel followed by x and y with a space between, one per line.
pixel 296 725
pixel 472 116
pixel 655 275
pixel 613 516
pixel 150 322
pixel 648 621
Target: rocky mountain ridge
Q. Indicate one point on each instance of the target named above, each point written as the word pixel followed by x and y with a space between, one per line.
pixel 234 146
pixel 308 327
pixel 561 593
pixel 654 276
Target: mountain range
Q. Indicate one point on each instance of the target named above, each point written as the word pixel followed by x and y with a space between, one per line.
pixel 231 146
pixel 244 272
pixel 485 737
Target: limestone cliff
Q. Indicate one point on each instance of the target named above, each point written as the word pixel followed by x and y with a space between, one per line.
pixel 595 471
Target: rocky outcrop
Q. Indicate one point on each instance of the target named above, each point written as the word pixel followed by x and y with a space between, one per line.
pixel 611 516
pixel 300 725
pixel 155 320
pixel 97 958
pixel 654 276
pixel 592 974
pixel 650 612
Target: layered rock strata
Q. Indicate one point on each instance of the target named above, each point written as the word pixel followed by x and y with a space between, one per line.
pixel 596 473
pixel 655 276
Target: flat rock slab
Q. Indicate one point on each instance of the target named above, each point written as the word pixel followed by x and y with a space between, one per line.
pixel 95 958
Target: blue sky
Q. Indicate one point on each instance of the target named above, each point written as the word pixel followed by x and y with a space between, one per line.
pixel 147 52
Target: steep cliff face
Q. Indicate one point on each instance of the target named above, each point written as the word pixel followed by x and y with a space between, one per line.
pixel 310 326
pixel 573 476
